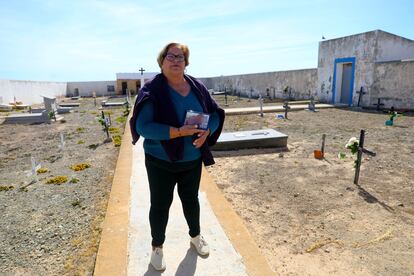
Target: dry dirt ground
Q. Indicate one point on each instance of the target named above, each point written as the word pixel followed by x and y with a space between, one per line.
pixel 306 215
pixel 48 229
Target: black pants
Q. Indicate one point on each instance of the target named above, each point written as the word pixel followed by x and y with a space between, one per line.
pixel 162 177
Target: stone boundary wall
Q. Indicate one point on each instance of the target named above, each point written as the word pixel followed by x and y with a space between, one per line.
pixel 394 84
pixel 293 84
pixel 30 92
pixel 86 88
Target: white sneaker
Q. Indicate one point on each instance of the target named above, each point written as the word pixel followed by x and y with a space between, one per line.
pixel 201 245
pixel 157 259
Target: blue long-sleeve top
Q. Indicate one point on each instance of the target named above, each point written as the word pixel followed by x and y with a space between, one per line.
pixel 154 132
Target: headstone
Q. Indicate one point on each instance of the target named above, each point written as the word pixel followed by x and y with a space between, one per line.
pixel 264 138
pixel 50 103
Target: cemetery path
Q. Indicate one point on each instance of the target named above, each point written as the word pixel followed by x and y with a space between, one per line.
pixel 54 229
pixel 306 215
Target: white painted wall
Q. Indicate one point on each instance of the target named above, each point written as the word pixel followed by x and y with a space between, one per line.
pixel 394 84
pixel 362 48
pixel 30 92
pixel 392 47
pixel 88 87
pixel 303 83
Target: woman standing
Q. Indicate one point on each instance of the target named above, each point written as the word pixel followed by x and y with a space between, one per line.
pixel 174 151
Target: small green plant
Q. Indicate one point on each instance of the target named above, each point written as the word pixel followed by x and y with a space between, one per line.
pixel 6 188
pixel 93 146
pixel 42 170
pixel 121 119
pixel 113 130
pixel 101 121
pixel 117 140
pixel 80 167
pixel 74 180
pixel 80 142
pixel 57 180
pixel 52 115
pixel 80 130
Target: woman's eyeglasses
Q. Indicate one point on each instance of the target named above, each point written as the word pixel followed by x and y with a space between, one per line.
pixel 172 57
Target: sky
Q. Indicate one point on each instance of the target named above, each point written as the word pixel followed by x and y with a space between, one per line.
pixel 92 40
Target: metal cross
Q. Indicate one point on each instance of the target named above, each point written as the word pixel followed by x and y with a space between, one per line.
pixel 142 71
pixel 378 104
pixel 360 92
pixel 286 107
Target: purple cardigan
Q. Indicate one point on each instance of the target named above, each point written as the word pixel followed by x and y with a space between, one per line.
pixel 156 90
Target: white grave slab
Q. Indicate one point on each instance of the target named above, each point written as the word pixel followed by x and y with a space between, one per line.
pixel 264 138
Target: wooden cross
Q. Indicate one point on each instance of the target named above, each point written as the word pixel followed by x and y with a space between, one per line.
pixel 323 144
pixel 286 107
pixel 142 71
pixel 361 150
pixel 378 104
pixel 360 92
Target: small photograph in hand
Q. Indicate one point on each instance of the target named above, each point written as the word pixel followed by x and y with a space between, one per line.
pixel 197 118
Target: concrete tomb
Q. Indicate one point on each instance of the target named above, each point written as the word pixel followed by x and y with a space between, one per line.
pixel 113 103
pixel 28 118
pixel 5 107
pixel 263 138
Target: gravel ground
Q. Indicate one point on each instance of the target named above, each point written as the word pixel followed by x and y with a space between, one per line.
pixel 49 229
pixel 305 214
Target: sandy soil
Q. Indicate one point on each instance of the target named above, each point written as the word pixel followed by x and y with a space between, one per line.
pixel 48 229
pixel 306 215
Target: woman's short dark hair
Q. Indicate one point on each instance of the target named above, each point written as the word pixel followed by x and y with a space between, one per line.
pixel 164 52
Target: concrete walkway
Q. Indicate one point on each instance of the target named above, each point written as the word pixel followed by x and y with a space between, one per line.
pixel 181 258
pixel 125 244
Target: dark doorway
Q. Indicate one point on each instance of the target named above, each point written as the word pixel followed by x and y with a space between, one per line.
pixel 346 83
pixel 124 88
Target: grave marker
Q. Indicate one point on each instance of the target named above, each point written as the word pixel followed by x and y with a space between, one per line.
pixel 106 125
pixel 261 105
pixel 286 107
pixel 361 150
pixel 360 92
pixel 378 104
pixel 33 172
pixel 263 138
pixel 311 105
pixel 62 142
